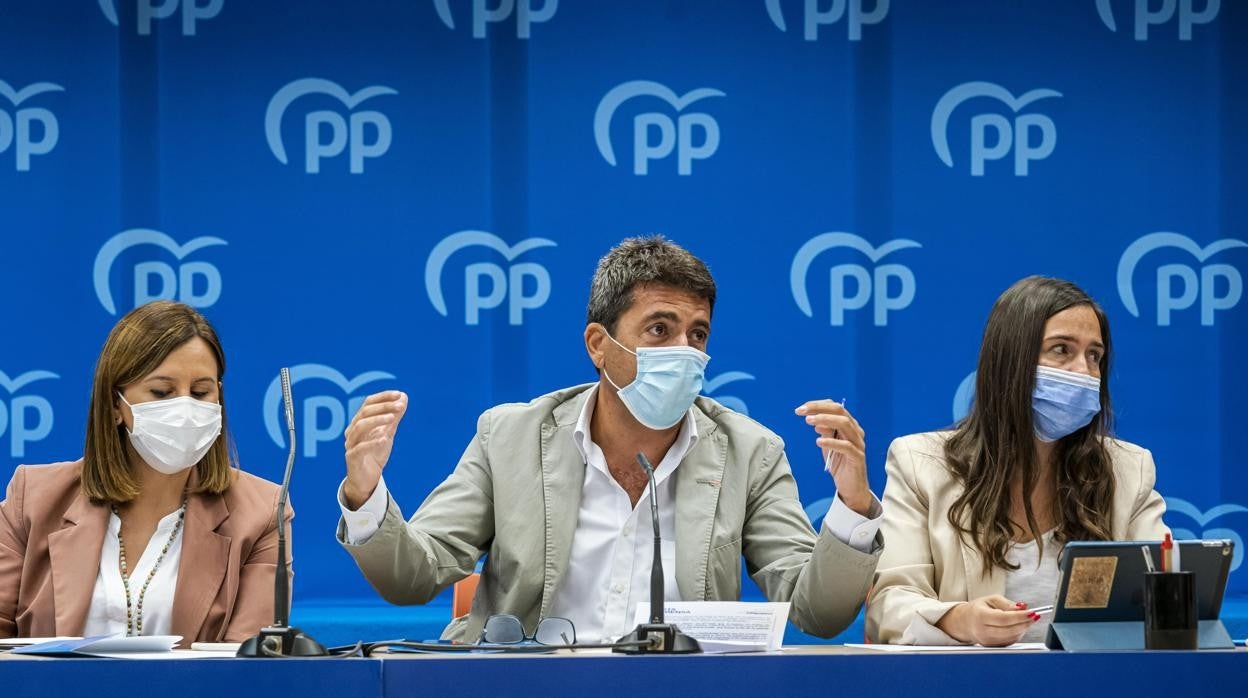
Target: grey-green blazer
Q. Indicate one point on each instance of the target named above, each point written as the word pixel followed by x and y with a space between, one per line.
pixel 515 495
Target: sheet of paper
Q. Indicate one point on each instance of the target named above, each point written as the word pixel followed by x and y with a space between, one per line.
pixel 11 642
pixel 216 646
pixel 104 645
pixel 1028 646
pixel 726 626
pixel 174 654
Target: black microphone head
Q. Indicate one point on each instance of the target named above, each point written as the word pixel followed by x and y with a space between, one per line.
pixel 645 464
pixel 287 400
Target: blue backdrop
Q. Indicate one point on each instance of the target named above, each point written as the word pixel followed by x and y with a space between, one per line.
pixel 414 194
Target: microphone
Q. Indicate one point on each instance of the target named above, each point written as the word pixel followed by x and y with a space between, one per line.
pixel 279 639
pixel 656 637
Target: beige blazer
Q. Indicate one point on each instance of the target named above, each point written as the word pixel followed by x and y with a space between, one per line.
pixel 927 568
pixel 51 537
pixel 516 492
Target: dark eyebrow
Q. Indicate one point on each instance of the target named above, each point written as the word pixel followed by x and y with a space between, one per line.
pixel 167 379
pixel 662 315
pixel 669 315
pixel 1069 338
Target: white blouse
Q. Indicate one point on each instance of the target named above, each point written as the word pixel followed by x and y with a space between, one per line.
pixel 107 614
pixel 1034 582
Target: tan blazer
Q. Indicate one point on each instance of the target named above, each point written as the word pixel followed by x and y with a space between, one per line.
pixel 927 568
pixel 517 490
pixel 50 542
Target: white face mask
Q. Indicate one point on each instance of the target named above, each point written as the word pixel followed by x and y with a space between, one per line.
pixel 173 435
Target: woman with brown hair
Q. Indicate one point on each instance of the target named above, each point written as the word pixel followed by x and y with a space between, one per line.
pixel 975 517
pixel 154 531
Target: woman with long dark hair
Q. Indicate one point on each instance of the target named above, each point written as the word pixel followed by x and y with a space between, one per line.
pixel 975 517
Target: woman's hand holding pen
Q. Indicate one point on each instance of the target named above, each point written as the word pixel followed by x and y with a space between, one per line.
pixel 991 621
pixel 843 443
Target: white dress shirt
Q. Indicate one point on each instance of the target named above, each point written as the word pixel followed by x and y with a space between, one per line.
pixel 609 565
pixel 107 614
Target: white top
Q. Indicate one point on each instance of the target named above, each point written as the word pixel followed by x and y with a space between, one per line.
pixel 1034 582
pixel 107 614
pixel 608 569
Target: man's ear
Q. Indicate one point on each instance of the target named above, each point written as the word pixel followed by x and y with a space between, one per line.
pixel 595 337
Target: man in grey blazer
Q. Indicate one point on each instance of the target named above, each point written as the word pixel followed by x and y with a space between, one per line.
pixel 552 493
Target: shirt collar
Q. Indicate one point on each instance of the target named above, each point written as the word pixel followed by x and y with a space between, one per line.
pixel 686 438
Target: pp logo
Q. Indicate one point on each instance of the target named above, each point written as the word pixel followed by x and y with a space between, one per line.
pixel 1202 519
pixel 732 402
pixel 196 283
pixel 867 285
pixel 963 397
pixel 18 131
pixel 483 14
pixel 148 10
pixel 508 284
pixel 1204 287
pixel 1029 136
pixel 655 134
pixel 324 415
pixel 362 134
pixel 815 16
pixel 1146 16
pixel 25 418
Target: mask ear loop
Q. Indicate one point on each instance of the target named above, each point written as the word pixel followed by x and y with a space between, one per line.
pixel 121 421
pixel 604 363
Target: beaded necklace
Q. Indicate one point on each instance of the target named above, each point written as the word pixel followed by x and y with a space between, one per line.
pixel 134 615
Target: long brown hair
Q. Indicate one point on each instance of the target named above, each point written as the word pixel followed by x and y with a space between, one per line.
pixel 995 444
pixel 135 347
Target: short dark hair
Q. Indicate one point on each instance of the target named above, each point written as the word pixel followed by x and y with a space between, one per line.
pixel 639 261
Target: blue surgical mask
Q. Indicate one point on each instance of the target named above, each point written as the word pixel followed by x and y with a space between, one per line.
pixel 668 380
pixel 1063 402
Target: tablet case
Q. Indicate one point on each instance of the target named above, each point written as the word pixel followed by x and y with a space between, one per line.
pixel 1120 624
pixel 1126 635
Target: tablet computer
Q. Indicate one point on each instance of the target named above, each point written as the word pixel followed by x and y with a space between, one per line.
pixel 1101 584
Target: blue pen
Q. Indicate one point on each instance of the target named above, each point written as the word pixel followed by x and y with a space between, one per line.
pixel 833 455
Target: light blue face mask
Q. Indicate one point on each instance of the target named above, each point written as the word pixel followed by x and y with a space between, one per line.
pixel 668 380
pixel 1063 402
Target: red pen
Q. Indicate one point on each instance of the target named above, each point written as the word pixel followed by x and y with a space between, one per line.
pixel 1167 546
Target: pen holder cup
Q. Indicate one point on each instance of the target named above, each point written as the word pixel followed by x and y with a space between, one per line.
pixel 1170 621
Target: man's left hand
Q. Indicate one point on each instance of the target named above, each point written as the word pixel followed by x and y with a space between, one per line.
pixel 841 438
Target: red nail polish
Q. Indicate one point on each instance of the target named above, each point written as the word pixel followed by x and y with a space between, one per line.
pixel 1020 604
pixel 1034 617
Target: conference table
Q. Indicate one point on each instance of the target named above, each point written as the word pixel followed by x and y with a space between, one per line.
pixel 809 671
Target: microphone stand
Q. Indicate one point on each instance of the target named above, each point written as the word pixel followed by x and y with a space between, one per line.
pixel 279 639
pixel 656 637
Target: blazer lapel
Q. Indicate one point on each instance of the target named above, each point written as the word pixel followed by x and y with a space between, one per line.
pixel 698 480
pixel 563 478
pixel 205 556
pixel 977 584
pixel 74 552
